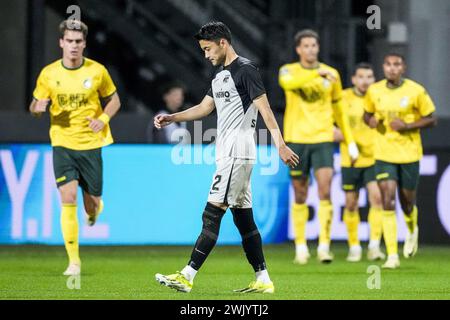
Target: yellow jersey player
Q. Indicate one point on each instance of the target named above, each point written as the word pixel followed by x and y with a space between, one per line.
pixel 398 108
pixel 361 173
pixel 73 89
pixel 313 92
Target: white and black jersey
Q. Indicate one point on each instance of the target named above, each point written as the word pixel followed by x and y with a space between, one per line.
pixel 233 89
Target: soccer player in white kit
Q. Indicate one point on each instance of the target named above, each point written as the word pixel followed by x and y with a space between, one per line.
pixel 237 92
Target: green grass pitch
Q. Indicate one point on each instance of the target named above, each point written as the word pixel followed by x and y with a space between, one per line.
pixel 35 272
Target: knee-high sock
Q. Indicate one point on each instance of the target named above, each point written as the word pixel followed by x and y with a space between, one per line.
pixel 212 217
pixel 352 219
pixel 411 220
pixel 390 231
pixel 325 218
pixel 300 218
pixel 69 227
pixel 251 239
pixel 375 224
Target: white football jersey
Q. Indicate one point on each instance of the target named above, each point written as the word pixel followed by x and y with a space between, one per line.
pixel 233 89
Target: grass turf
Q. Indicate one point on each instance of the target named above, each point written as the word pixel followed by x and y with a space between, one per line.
pixel 35 272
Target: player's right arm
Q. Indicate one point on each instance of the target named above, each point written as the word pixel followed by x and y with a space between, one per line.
pixel 41 95
pixel 196 112
pixel 369 111
pixel 288 81
pixel 370 120
pixel 38 107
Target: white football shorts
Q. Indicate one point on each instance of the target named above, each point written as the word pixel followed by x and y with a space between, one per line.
pixel 231 183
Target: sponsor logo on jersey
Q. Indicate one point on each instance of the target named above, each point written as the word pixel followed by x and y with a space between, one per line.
pixel 69 102
pixel 223 95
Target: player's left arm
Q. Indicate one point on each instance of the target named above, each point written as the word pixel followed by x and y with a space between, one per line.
pixel 112 106
pixel 341 118
pixel 426 108
pixel 286 154
pixel 108 94
pixel 342 121
pixel 252 82
pixel 428 121
pixel 369 111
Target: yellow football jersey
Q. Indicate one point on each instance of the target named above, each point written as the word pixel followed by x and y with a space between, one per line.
pixel 363 134
pixel 75 95
pixel 309 97
pixel 409 102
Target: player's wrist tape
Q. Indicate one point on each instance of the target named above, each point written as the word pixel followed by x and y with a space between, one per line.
pixel 353 150
pixel 104 118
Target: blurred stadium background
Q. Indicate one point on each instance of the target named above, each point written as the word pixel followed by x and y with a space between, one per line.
pixel 147 44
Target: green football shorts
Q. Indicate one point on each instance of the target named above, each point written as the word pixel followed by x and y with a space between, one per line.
pixel 406 174
pixel 86 166
pixel 354 179
pixel 315 155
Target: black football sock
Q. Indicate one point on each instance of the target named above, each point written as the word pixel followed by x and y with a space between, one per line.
pixel 251 239
pixel 212 217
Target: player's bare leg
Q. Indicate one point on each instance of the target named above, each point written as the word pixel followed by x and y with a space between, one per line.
pixel 68 192
pixel 324 177
pixel 300 215
pixel 93 206
pixel 352 220
pixel 69 226
pixel 351 200
pixel 407 202
pixel 375 222
pixel 389 219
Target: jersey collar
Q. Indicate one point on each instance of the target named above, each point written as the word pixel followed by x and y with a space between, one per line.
pixel 357 93
pixel 72 69
pixel 312 68
pixel 403 80
pixel 227 67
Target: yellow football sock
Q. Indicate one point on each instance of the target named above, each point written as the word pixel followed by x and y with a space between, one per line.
pixel 390 231
pixel 69 226
pixel 325 218
pixel 351 219
pixel 411 220
pixel 375 224
pixel 300 215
